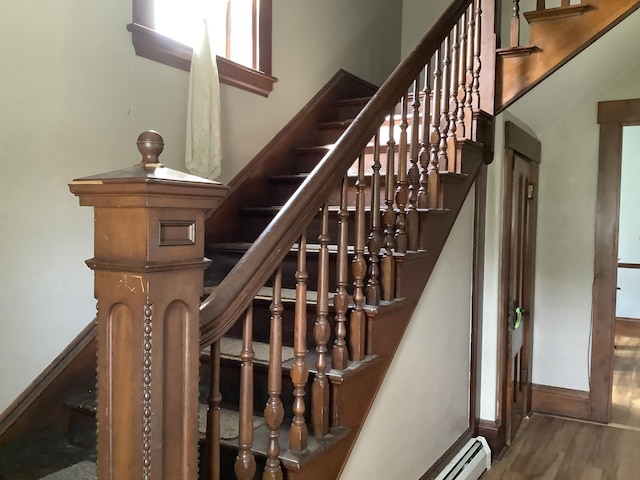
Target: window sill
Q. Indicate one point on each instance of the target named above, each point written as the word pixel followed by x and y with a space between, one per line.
pixel 150 44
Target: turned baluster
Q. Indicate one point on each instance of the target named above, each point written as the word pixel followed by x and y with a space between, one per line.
pixel 299 370
pixel 452 140
pixel 413 175
pixel 245 466
pixel 214 399
pixel 274 411
pixel 321 331
pixel 389 218
pixel 357 319
pixel 424 155
pixel 339 359
pixel 433 170
pixel 443 158
pixel 515 23
pixel 477 42
pixel 402 188
pixel 462 70
pixel 375 241
pixel 468 101
pixel 425 148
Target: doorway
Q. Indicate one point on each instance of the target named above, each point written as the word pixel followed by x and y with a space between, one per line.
pixel 625 395
pixel 613 116
pixel 522 157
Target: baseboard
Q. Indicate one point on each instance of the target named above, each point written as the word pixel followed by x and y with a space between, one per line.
pixel 495 433
pixel 628 327
pixel 561 401
pixel 444 460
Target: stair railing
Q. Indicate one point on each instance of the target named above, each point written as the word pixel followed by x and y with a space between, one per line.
pixel 423 111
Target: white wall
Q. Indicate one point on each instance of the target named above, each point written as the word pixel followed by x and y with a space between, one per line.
pixel 629 231
pixel 74 99
pixel 565 245
pixel 422 407
pixel 417 17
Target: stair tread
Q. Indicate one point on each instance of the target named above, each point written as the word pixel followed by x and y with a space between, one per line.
pixel 349 101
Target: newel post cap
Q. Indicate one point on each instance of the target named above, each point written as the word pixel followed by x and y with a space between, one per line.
pixel 150 179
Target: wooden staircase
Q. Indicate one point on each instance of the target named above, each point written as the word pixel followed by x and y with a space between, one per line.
pixel 376 178
pixel 556 36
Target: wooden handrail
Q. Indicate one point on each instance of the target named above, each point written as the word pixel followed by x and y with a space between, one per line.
pixel 228 300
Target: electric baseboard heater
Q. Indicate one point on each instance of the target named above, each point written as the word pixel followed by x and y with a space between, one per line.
pixel 470 463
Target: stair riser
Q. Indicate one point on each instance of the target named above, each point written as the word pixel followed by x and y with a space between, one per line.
pixel 261 324
pixel 230 388
pixel 253 224
pixel 329 133
pixel 350 109
pixel 289 266
pixel 281 192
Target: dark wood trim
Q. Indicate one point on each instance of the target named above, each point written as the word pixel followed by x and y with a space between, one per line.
pixel 628 327
pixel 561 401
pixel 494 432
pixel 628 265
pixel 477 295
pixel 447 456
pixel 517 142
pixel 152 45
pixel 612 116
pixel 522 142
pixel 27 412
pixel 625 112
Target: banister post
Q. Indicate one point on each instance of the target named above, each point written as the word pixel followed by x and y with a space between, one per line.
pixel 148 263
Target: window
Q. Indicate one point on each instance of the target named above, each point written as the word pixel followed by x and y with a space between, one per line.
pixel 244 51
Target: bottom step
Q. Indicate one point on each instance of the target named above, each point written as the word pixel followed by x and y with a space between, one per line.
pixel 84 470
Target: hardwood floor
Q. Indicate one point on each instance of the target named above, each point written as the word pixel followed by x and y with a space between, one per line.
pixel 553 448
pixel 625 398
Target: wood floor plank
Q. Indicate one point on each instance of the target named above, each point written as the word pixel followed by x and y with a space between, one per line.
pixel 552 448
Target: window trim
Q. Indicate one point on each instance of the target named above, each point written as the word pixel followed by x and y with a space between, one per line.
pixel 152 45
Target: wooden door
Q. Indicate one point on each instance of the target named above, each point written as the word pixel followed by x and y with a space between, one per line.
pixel 517 306
pixel 522 155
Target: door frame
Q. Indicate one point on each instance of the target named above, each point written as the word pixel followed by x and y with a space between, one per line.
pixel 612 117
pixel 516 142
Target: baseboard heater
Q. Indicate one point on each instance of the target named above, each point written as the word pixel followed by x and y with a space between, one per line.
pixel 470 463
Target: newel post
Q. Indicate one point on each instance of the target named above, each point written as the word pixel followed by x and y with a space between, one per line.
pixel 148 265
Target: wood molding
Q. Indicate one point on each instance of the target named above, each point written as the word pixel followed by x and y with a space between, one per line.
pixel 612 116
pixel 629 265
pixel 495 433
pixel 555 13
pixel 33 408
pixel 477 294
pixel 561 401
pixel 447 456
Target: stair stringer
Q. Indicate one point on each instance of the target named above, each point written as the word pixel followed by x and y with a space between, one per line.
pixel 556 41
pixel 355 396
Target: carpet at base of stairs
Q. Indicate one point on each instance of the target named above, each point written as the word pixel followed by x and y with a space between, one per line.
pixel 84 470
